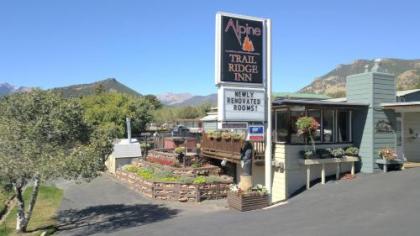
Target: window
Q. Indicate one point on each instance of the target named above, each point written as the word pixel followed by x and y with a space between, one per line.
pixel 328 126
pixel 316 114
pixel 282 125
pixel 294 136
pixel 335 125
pixel 343 126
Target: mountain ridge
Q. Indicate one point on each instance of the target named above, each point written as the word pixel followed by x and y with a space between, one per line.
pixel 407 73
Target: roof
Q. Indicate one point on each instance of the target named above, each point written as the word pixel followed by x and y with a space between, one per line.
pixel 210 117
pixel 300 95
pixel 124 148
pixel 399 94
pixel 406 92
pixel 280 102
pixel 343 99
pixel 394 105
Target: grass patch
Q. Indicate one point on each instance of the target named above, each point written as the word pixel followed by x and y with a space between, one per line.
pixel 43 216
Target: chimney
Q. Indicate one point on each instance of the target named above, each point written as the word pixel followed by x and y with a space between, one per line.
pixel 128 121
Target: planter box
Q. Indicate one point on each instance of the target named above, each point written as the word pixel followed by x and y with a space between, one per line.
pixel 247 202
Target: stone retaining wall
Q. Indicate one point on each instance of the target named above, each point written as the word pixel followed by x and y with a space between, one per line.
pixel 174 191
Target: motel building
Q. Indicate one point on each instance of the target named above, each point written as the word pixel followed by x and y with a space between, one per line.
pixel 372 116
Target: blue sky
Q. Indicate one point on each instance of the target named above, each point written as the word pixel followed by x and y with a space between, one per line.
pixel 168 46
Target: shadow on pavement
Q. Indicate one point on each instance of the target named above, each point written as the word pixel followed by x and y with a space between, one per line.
pixel 109 218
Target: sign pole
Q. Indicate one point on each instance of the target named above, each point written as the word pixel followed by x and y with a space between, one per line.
pixel 268 147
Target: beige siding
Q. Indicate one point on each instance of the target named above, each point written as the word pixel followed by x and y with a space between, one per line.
pixel 286 182
pixel 411 143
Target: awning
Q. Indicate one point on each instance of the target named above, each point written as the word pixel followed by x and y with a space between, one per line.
pixel 402 106
pixel 318 103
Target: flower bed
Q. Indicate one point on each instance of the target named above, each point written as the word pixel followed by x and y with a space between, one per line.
pixel 206 169
pixel 194 191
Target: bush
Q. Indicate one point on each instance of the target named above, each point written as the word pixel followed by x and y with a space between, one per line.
pixel 226 135
pixel 212 179
pixel 186 179
pixel 162 161
pixel 196 165
pixel 146 173
pixel 179 150
pixel 131 168
pixel 163 174
pixel 337 152
pixel 352 151
pixel 200 180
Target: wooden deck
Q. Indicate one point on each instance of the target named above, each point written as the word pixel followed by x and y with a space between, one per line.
pixel 229 149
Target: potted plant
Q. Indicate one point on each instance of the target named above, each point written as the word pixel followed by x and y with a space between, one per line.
pixel 337 152
pixel 255 198
pixel 307 126
pixel 387 154
pixel 352 151
pixel 237 137
pixel 217 135
pixel 226 135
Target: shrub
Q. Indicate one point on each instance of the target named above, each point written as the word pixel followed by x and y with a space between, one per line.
pixel 170 179
pixel 186 179
pixel 164 174
pixel 337 152
pixel 308 154
pixel 131 168
pixel 226 135
pixel 145 173
pixel 213 179
pixel 238 136
pixel 196 165
pixel 178 150
pixel 162 161
pixel 352 151
pixel 200 180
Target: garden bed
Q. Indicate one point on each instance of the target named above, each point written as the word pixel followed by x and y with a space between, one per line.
pixel 206 169
pixel 196 191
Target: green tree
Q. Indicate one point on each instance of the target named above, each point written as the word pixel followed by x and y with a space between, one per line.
pixel 154 101
pixel 44 137
pixel 111 110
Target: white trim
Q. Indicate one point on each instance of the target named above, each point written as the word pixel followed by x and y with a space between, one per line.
pixel 222 13
pixel 218 53
pixel 268 149
pixel 217 48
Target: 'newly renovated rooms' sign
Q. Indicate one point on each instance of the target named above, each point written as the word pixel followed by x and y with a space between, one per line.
pixel 244 104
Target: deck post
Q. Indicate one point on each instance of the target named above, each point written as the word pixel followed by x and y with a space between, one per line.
pixel 308 177
pixel 338 171
pixel 323 173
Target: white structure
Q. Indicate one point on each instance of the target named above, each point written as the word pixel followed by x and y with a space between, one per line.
pixel 124 152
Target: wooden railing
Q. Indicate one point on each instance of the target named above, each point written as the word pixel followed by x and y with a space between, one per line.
pixel 229 149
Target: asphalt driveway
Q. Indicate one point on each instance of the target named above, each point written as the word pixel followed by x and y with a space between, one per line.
pixel 379 204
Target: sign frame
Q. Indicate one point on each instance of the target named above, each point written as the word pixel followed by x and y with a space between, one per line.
pixel 222 106
pixel 218 51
